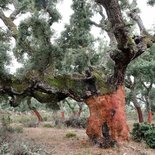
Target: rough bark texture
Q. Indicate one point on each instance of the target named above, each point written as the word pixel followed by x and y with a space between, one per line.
pixel 115 17
pixel 108 109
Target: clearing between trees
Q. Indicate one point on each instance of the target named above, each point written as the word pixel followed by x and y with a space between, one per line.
pixel 57 143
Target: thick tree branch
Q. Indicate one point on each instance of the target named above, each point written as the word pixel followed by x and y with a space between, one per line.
pixel 115 17
pixel 9 23
pixel 14 32
pixel 96 24
pixel 54 89
pixel 127 48
pixel 139 21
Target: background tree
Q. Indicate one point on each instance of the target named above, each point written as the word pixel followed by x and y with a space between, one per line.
pixel 76 40
pixel 141 88
pixel 132 96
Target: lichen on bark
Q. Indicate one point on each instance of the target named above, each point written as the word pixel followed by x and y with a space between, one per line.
pixel 80 85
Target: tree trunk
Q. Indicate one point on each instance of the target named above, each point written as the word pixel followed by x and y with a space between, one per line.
pixel 79 112
pixel 140 114
pixel 62 115
pixel 107 118
pixel 40 119
pixel 149 111
pixel 136 104
pixel 149 119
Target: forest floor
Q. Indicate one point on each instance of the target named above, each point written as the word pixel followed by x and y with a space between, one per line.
pixel 56 142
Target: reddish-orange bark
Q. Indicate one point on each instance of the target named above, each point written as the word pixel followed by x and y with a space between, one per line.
pixel 149 119
pixel 110 109
pixel 63 115
pixel 38 116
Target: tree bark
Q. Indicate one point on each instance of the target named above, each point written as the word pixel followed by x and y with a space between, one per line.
pixel 139 21
pixel 137 106
pixel 40 119
pixel 62 115
pixel 109 109
pixel 140 114
pixel 149 111
pixel 147 99
pixel 149 119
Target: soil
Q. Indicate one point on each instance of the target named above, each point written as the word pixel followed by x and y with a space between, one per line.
pixel 56 142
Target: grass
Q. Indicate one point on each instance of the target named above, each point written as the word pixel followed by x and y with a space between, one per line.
pixel 70 135
pixel 47 125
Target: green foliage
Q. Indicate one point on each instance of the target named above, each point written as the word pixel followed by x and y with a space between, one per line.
pixel 76 41
pixel 4 3
pixel 145 65
pixel 142 71
pixel 26 120
pixel 144 132
pixel 35 32
pixel 6 125
pixel 17 145
pixel 79 28
pixel 34 36
pixel 124 4
pixel 151 2
pixel 47 125
pixel 6 120
pixel 18 129
pixel 70 135
pixel 4 56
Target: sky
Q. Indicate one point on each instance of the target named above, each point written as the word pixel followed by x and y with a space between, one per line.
pixel 147 15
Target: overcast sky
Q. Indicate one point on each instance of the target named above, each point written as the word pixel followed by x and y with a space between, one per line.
pixel 147 14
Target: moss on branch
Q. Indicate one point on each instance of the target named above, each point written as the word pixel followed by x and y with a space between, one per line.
pixel 81 86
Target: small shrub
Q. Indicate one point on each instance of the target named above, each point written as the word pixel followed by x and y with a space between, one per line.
pixel 6 120
pixel 18 146
pixel 45 118
pixel 58 122
pixel 70 135
pixel 47 125
pixel 5 125
pixel 76 122
pixel 144 132
pixel 18 129
pixel 30 124
pixel 150 138
pixel 13 144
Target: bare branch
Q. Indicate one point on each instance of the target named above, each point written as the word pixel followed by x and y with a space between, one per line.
pixel 101 12
pixel 139 21
pixel 96 24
